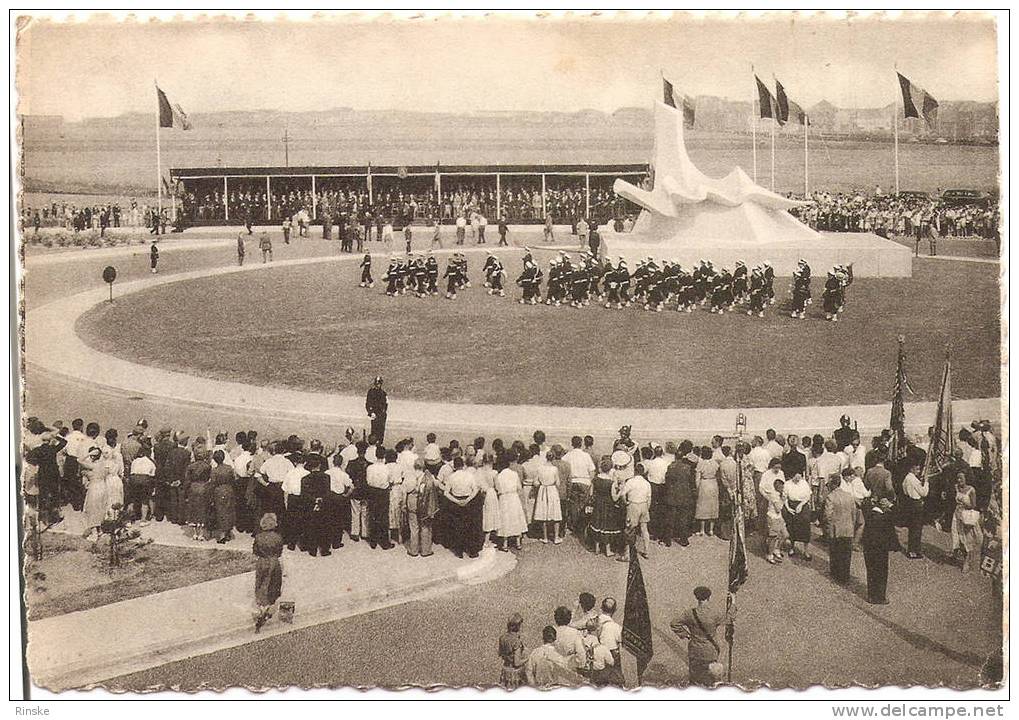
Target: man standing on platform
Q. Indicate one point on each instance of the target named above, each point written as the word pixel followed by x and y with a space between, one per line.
pixel 377 405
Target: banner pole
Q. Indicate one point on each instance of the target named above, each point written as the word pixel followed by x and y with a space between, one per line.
pixel 806 159
pixel 159 172
pixel 895 132
pixel 753 119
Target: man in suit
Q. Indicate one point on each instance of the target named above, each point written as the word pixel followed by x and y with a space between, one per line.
pixel 680 496
pixel 843 518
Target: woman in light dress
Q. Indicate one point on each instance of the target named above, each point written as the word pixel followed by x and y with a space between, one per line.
pixel 485 476
pixel 706 511
pixel 967 538
pixel 547 507
pixel 512 522
pixel 397 496
pixel 103 475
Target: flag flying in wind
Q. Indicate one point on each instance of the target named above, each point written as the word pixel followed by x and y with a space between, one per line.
pixel 171 115
pixel 917 102
pixel 768 107
pixel 787 108
pixel 637 616
pixel 942 441
pixel 688 111
pixel 670 98
pixel 897 424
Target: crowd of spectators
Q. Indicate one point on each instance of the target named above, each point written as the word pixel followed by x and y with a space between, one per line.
pixel 99 217
pixel 519 202
pixel 902 215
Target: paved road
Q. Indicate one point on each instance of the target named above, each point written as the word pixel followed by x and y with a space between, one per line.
pixel 795 627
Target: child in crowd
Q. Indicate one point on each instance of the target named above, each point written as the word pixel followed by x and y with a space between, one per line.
pixel 777 533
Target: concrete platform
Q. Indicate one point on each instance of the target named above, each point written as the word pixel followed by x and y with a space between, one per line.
pixel 217 614
pixel 871 255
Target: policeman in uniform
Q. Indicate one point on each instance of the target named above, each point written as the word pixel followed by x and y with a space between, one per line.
pixel 377 405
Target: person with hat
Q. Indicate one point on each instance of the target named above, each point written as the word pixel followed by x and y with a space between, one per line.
pixel 367 281
pixel 267 548
pixel 699 627
pixel 376 404
pixel 265 245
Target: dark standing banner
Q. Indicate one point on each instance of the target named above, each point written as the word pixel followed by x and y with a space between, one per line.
pixel 943 440
pixel 897 422
pixel 637 615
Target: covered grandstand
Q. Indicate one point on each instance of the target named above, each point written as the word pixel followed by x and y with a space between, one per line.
pixel 405 194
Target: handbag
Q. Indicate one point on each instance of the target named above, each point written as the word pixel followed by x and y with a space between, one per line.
pixel 969 518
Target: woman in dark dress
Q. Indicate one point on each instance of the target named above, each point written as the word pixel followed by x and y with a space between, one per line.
pixel 268 547
pixel 607 519
pixel 221 485
pixel 197 498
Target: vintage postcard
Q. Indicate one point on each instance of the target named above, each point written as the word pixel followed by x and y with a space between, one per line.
pixel 511 351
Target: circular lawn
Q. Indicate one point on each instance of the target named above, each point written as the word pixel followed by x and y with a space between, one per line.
pixel 312 328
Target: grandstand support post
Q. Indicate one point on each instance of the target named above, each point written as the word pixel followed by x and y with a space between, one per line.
pixel 587 195
pixel 226 201
pixel 314 200
pixel 498 196
pixel 268 199
pixel 544 206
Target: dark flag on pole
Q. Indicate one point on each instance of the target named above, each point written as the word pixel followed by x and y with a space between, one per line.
pixel 688 111
pixel 739 569
pixel 171 115
pixel 897 423
pixel 942 441
pixel 787 108
pixel 917 102
pixel 766 102
pixel 637 616
pixel 670 98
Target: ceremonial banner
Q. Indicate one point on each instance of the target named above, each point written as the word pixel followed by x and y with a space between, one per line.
pixel 637 616
pixel 171 115
pixel 897 423
pixel 766 102
pixel 917 102
pixel 943 440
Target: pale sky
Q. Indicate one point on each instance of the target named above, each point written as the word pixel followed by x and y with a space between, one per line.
pixel 106 69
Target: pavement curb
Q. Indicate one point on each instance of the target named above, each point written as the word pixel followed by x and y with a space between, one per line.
pixel 91 672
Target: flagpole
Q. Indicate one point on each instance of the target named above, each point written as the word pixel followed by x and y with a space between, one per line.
pixel 753 118
pixel 806 158
pixel 159 171
pixel 774 122
pixel 895 132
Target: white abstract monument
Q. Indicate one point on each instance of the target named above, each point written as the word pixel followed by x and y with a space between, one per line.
pixel 688 215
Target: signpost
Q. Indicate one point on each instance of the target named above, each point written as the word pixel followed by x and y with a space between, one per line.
pixel 109 275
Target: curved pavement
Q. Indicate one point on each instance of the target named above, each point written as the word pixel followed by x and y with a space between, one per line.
pixel 53 348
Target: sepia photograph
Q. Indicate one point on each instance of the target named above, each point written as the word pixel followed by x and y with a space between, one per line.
pixel 552 355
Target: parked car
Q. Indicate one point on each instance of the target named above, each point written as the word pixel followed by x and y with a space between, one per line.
pixel 965 197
